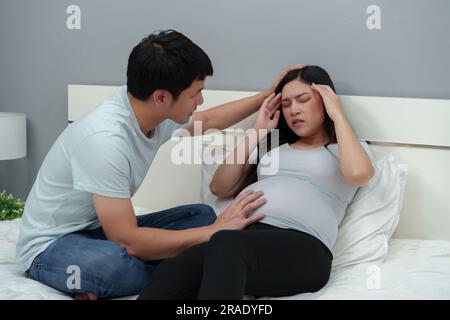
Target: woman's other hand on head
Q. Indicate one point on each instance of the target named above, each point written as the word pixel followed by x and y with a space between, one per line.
pixel 269 115
pixel 331 101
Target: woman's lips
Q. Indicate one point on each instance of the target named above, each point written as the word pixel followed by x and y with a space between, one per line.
pixel 297 122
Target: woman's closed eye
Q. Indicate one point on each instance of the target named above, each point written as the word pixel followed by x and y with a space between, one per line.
pixel 303 99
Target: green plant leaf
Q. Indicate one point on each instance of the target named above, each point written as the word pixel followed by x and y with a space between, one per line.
pixel 10 208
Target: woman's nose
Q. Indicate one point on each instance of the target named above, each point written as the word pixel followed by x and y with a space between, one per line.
pixel 295 109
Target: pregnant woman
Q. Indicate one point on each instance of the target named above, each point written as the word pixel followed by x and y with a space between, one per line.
pixel 321 164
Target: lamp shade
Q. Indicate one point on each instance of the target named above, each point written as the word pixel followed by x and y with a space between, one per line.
pixel 13 135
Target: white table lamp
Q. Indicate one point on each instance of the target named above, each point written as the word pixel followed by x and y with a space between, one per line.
pixel 13 135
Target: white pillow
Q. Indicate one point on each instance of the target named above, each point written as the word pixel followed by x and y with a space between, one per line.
pixel 372 216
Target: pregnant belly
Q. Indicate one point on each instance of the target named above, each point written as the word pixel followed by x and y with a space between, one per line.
pixel 294 199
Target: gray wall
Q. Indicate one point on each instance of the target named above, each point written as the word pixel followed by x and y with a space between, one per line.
pixel 248 42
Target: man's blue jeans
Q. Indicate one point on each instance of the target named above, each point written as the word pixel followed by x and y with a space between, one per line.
pixel 104 267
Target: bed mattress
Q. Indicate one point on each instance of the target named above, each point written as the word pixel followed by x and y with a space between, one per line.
pixel 413 269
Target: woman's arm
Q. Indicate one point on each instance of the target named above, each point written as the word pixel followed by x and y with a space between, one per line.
pixel 355 163
pixel 231 174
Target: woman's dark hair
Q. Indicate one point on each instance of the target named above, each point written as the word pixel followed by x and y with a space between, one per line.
pixel 309 75
pixel 165 60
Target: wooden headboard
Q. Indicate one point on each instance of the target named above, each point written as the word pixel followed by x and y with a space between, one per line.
pixel 417 130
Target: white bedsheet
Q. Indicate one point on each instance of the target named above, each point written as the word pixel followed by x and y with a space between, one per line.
pixel 414 269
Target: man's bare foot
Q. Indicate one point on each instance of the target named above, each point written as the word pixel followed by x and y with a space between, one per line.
pixel 85 296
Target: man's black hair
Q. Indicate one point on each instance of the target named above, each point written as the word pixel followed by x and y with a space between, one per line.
pixel 166 60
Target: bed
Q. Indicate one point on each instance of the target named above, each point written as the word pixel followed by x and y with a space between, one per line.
pixel 417 264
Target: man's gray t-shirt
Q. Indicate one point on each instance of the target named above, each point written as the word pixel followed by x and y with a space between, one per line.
pixel 308 192
pixel 105 153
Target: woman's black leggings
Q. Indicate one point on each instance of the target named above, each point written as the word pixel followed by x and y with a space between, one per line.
pixel 260 261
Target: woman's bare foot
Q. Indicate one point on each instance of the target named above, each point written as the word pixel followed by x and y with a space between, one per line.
pixel 85 296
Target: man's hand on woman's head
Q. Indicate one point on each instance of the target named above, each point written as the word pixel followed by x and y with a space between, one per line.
pixel 283 73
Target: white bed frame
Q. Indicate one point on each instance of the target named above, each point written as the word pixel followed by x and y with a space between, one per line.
pixel 417 130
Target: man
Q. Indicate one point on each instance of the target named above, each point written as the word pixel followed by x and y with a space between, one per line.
pixel 79 233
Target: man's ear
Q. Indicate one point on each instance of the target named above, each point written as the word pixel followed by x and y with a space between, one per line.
pixel 160 97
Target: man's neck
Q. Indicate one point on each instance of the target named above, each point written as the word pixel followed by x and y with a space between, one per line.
pixel 147 117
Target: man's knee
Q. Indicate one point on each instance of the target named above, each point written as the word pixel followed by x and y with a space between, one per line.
pixel 125 274
pixel 205 215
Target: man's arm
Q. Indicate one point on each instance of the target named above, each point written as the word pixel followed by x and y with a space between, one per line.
pixel 225 115
pixel 120 226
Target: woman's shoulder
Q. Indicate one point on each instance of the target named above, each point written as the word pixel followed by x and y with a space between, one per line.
pixel 362 142
pixel 335 147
